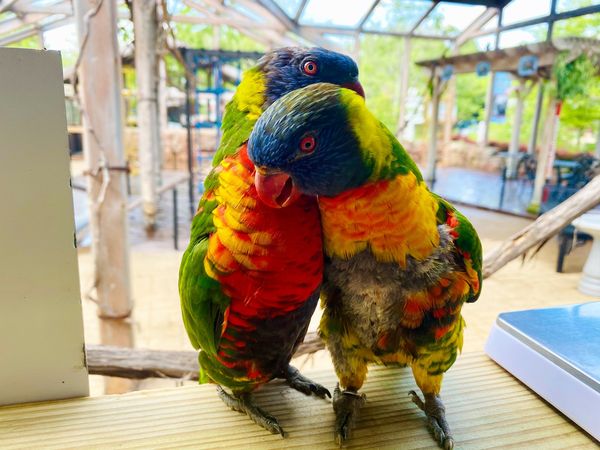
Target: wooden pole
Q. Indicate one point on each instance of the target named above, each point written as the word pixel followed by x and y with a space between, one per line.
pixel 546 156
pixel 99 67
pixel 513 150
pixel 404 85
pixel 536 119
pixel 145 20
pixel 432 149
pixel 489 103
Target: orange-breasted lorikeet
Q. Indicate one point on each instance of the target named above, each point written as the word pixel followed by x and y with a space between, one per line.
pixel 250 278
pixel 400 260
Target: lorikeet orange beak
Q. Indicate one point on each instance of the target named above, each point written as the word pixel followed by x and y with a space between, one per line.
pixel 275 189
pixel 356 87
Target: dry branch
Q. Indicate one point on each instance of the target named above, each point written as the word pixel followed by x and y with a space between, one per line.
pixel 546 226
pixel 137 363
pixel 140 363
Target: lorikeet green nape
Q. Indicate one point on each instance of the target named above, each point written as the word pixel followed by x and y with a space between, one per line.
pixel 400 260
pixel 250 278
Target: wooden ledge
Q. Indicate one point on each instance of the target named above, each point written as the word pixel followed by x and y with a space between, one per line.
pixel 486 408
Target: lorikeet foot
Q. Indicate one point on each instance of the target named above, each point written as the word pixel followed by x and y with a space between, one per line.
pixel 436 418
pixel 299 382
pixel 244 404
pixel 346 406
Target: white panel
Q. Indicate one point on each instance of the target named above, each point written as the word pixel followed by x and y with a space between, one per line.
pixel 41 330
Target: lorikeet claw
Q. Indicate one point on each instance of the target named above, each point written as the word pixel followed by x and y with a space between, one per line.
pixel 244 404
pixel 346 405
pixel 436 418
pixel 299 382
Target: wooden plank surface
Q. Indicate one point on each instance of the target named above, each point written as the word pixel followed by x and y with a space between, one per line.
pixel 486 407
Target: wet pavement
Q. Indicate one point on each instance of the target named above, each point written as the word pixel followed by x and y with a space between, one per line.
pixel 483 189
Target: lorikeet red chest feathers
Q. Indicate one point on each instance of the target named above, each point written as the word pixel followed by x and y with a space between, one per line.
pixel 250 278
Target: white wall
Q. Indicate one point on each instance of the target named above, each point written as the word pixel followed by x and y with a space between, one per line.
pixel 41 330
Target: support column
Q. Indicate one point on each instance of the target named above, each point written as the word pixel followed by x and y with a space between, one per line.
pixel 489 98
pixel 433 147
pixel 145 21
pixel 598 142
pixel 536 119
pixel 513 149
pixel 100 93
pixel 546 156
pixel 404 85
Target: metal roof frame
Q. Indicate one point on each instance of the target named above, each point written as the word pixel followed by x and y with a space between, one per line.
pixel 23 18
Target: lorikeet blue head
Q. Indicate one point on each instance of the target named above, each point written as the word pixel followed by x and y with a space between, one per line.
pixel 290 68
pixel 309 142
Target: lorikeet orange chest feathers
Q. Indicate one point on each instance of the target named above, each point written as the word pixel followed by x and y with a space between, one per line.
pixel 401 261
pixel 250 278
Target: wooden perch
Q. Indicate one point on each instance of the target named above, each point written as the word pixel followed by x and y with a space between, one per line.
pixel 140 363
pixel 137 363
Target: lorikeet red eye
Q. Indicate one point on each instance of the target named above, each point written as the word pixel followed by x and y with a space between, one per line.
pixel 310 68
pixel 308 144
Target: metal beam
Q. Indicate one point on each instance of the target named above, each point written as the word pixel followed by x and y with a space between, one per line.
pixel 32 30
pixel 300 10
pixel 361 24
pixel 422 19
pixel 546 19
pixel 5 6
pixel 475 26
pixel 352 32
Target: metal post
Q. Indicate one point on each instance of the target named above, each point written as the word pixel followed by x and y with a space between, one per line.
pixel 489 96
pixel 404 82
pixel 190 162
pixel 175 220
pixel 432 150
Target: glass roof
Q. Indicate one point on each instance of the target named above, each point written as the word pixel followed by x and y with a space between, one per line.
pixel 335 12
pixel 397 15
pixel 522 36
pixel 568 5
pixel 449 19
pixel 521 10
pixel 290 7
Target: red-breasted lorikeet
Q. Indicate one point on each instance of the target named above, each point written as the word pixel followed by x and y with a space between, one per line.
pixel 250 278
pixel 400 260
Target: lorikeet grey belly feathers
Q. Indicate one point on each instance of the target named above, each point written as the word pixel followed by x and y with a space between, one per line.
pixel 400 260
pixel 249 280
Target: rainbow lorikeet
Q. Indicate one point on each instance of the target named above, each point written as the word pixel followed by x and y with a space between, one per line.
pixel 400 260
pixel 249 280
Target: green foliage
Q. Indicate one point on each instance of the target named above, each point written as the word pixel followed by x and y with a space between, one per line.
pixel 573 77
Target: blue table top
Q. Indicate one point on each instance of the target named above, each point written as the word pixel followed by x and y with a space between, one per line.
pixel 568 335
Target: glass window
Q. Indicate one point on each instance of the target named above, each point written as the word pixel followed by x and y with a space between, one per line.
pixel 569 5
pixel 449 19
pixel 582 26
pixel 342 13
pixel 521 10
pixel 397 15
pixel 289 6
pixel 522 36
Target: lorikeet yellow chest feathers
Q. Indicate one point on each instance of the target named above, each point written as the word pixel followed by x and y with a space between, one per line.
pixel 400 260
pixel 250 278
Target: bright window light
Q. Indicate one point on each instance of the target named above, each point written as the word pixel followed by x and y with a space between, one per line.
pixel 342 13
pixel 521 10
pixel 290 7
pixel 522 36
pixel 450 19
pixel 397 15
pixel 569 5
